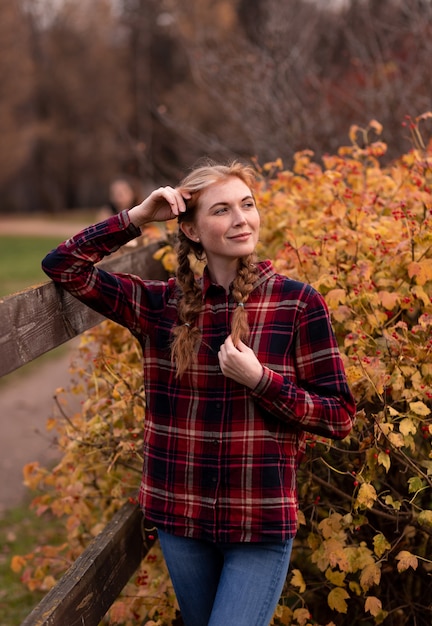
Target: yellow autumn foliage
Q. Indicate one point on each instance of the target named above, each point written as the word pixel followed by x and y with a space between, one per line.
pixel 361 233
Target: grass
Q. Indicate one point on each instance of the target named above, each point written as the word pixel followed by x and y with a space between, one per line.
pixel 20 532
pixel 20 260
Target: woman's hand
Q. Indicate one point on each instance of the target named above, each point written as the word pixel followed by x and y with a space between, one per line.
pixel 163 204
pixel 240 363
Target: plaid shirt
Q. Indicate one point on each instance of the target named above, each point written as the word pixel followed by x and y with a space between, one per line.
pixel 220 459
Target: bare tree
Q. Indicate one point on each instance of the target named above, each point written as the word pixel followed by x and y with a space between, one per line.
pixel 284 76
pixel 88 92
pixel 17 84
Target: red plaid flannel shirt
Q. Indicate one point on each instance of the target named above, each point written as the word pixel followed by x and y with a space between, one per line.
pixel 220 459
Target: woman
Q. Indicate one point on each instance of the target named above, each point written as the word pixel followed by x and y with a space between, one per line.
pixel 124 192
pixel 238 366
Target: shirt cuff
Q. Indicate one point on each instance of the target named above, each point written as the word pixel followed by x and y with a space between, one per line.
pixel 126 224
pixel 270 384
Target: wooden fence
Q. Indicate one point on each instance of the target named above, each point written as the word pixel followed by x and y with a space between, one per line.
pixel 32 323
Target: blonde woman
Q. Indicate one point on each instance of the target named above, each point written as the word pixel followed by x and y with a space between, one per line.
pixel 238 366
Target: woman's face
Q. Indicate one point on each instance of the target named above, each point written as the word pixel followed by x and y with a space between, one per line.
pixel 226 221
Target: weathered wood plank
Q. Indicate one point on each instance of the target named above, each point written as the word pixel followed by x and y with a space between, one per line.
pixel 90 586
pixel 39 319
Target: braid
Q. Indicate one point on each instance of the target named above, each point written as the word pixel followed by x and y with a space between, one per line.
pixel 242 287
pixel 187 336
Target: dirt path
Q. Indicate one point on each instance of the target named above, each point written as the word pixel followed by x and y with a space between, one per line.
pixel 26 400
pixel 39 226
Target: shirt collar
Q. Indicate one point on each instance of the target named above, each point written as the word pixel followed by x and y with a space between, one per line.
pixel 265 271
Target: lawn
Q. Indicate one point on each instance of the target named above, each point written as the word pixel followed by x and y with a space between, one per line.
pixel 20 531
pixel 20 259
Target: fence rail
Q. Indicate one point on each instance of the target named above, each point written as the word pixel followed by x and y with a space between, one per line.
pixel 32 323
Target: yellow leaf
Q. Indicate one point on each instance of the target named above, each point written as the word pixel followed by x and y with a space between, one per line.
pixel 397 440
pixel 331 525
pixel 161 252
pixel 421 271
pixel 335 554
pixel 406 560
pixel 419 408
pixel 337 600
pixel 380 544
pixel 366 496
pixel 384 459
pixel 373 605
pixel 386 427
pixel 48 583
pixel 283 614
pixel 335 577
pixel 301 519
pixel 297 580
pixel 425 518
pixel 359 557
pixel 370 576
pixel 395 504
pixel 421 294
pixel 335 297
pixel 354 586
pixel 392 411
pixel 313 541
pixel 342 313
pixel 407 427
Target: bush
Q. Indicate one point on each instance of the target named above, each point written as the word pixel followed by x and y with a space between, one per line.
pixel 361 234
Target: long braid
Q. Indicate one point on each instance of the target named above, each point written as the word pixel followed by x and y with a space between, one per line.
pixel 242 286
pixel 186 335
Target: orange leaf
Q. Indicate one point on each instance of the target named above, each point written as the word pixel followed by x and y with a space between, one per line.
pixel 389 299
pixel 17 563
pixel 373 605
pixel 421 271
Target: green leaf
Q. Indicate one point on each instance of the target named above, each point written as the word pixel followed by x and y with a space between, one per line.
pixel 415 484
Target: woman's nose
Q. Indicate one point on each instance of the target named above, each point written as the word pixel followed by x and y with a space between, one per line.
pixel 239 217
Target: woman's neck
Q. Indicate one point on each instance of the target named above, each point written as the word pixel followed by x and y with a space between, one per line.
pixel 223 274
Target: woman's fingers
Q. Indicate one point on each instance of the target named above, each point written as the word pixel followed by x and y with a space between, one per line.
pixel 175 199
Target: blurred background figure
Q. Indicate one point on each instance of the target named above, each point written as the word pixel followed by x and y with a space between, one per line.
pixel 124 193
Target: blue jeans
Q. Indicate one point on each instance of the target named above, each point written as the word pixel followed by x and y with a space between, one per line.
pixel 224 584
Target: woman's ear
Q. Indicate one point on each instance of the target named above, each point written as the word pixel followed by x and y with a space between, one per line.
pixel 188 229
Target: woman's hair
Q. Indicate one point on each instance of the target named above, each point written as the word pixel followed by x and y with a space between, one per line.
pixel 187 335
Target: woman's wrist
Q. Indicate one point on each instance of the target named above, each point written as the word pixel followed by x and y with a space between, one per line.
pixel 136 217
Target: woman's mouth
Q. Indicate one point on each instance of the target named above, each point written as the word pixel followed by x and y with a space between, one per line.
pixel 240 237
